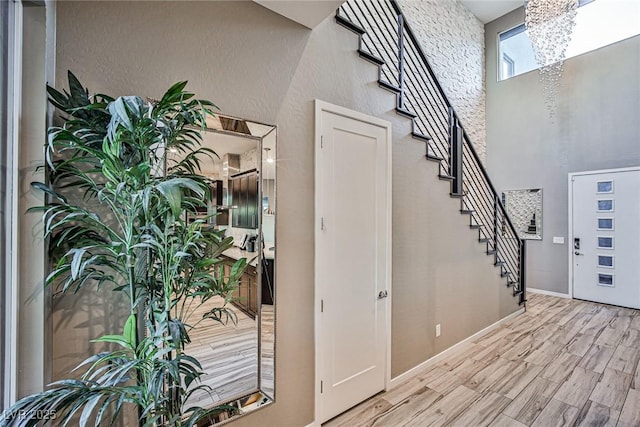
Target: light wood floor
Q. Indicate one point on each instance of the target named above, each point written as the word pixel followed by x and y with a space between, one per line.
pixel 228 354
pixel 562 363
pixel 267 349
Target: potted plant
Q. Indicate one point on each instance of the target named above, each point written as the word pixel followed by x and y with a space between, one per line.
pixel 112 154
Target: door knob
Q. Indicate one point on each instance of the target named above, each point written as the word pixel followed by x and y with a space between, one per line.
pixel 578 253
pixel 382 294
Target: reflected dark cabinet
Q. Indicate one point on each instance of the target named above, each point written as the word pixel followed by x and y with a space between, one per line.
pixel 215 212
pixel 252 201
pixel 244 193
pixel 222 213
pixel 245 297
pixel 234 184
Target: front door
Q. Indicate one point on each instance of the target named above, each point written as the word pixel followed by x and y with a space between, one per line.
pixel 353 199
pixel 605 213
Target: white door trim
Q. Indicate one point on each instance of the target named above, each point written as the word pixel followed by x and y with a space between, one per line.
pixel 570 233
pixel 14 98
pixel 322 106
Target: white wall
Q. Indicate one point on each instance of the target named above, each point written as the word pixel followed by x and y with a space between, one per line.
pixel 453 41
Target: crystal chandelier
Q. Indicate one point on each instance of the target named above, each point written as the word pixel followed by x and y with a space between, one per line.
pixel 549 24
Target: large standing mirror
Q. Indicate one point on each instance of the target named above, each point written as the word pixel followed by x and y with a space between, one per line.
pixel 525 210
pixel 238 358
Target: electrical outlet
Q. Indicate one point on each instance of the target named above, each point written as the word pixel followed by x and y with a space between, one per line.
pixel 438 330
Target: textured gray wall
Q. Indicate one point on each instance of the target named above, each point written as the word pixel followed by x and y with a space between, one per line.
pixel 453 41
pixel 256 64
pixel 596 127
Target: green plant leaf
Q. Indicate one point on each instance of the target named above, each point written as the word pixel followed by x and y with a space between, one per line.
pixel 111 218
pixel 48 190
pixel 115 339
pixel 129 332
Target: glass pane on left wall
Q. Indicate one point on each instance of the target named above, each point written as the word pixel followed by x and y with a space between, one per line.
pixel 4 220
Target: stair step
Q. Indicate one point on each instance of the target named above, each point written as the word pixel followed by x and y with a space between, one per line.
pixel 406 113
pixel 433 158
pixel 369 57
pixel 417 135
pixel 349 25
pixel 389 86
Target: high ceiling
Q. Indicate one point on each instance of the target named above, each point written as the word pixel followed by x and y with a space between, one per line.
pixel 311 12
pixel 488 10
pixel 306 12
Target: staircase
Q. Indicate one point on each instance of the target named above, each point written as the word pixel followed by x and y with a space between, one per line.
pixel 386 40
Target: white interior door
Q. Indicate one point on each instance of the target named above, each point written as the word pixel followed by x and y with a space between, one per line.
pixel 605 214
pixel 352 258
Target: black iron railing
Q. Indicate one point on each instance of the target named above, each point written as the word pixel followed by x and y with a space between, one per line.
pixel 388 41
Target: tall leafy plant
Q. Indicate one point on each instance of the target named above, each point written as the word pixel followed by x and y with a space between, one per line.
pixel 117 216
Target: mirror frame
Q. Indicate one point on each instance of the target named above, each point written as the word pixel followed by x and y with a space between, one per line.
pixel 516 216
pixel 257 398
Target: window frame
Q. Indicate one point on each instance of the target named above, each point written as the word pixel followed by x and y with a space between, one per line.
pixel 9 106
pixel 510 32
pixel 520 28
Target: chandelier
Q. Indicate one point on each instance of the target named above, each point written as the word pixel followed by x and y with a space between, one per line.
pixel 549 24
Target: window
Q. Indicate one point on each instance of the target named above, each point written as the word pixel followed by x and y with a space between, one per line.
pixel 605 242
pixel 605 205
pixel 508 66
pixel 605 279
pixel 598 23
pixel 516 53
pixel 605 223
pixel 605 186
pixel 605 261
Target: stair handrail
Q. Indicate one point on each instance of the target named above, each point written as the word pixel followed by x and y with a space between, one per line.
pixel 435 80
pixel 427 73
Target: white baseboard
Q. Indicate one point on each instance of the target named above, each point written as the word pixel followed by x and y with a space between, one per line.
pixel 550 293
pixel 438 357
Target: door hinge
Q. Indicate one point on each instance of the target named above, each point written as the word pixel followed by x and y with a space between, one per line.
pixel 322 223
pixel 321 387
pixel 321 306
pixel 321 141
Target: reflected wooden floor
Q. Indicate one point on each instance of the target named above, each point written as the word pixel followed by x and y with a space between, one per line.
pixel 562 363
pixel 267 349
pixel 228 354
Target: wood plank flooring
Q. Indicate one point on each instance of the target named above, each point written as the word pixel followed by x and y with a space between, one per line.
pixel 228 354
pixel 562 363
pixel 267 349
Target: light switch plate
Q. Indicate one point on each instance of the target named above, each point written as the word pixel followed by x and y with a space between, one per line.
pixel 558 240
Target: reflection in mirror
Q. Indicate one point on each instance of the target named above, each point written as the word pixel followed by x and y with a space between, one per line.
pixel 238 357
pixel 525 209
